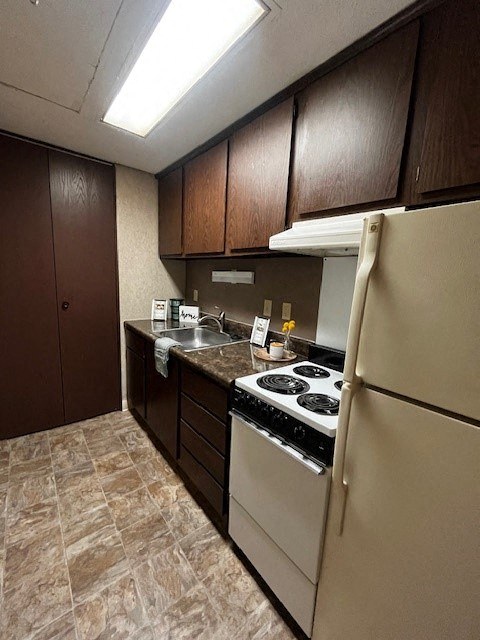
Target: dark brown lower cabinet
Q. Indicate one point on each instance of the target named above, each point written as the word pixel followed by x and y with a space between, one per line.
pixel 162 402
pixel 135 349
pixel 188 412
pixel 211 459
pixel 59 334
pixel 202 480
pixel 136 383
pixel 204 437
pixel 150 396
pixel 205 392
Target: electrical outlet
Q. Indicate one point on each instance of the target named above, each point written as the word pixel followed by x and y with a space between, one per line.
pixel 286 311
pixel 195 295
pixel 267 308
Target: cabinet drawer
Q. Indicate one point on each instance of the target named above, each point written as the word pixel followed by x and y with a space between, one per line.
pixel 204 482
pixel 205 392
pixel 204 423
pixel 135 343
pixel 209 457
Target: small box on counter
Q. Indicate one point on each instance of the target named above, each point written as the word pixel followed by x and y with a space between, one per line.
pixel 188 314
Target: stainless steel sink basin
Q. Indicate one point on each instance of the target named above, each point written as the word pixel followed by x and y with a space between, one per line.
pixel 192 338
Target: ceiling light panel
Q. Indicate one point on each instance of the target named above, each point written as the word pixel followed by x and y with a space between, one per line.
pixel 190 38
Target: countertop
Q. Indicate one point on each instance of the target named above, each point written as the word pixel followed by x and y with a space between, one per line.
pixel 223 364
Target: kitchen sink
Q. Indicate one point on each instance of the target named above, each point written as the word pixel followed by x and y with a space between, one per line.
pixel 192 338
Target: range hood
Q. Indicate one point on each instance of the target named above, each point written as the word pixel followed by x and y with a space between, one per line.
pixel 337 236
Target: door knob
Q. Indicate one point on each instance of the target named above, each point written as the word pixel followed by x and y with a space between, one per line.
pixel 65 305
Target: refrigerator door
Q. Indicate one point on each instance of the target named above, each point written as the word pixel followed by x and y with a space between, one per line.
pixel 420 334
pixel 407 563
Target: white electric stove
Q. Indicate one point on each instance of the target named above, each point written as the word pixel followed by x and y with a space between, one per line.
pixel 306 391
pixel 284 423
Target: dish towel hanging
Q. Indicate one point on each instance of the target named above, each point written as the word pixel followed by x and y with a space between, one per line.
pixel 161 350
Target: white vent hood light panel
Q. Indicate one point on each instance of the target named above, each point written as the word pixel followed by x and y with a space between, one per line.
pixel 335 236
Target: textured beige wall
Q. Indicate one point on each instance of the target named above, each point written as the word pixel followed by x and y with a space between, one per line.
pixel 142 275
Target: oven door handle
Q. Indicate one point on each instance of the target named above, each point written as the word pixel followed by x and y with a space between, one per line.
pixel 312 466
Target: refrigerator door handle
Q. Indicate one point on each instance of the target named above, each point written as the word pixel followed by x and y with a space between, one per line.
pixel 352 382
pixel 368 259
pixel 349 390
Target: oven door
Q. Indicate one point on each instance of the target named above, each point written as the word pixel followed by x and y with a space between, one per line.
pixel 285 494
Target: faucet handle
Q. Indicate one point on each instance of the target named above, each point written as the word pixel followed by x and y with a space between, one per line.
pixel 221 318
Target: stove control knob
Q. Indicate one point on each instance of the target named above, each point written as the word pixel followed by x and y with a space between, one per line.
pixel 299 432
pixel 277 416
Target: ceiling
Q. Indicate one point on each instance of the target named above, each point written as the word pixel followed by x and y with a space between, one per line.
pixel 62 62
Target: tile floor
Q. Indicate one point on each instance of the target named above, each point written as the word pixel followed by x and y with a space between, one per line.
pixel 100 540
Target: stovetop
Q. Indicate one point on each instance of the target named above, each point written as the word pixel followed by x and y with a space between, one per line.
pixel 307 391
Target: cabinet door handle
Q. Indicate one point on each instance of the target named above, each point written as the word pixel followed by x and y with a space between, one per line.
pixel 65 305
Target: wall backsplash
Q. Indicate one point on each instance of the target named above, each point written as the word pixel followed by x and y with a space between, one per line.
pixel 284 279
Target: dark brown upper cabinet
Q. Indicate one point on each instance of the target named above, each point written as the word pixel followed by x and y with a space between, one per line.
pixel 170 203
pixel 258 179
pixel 351 126
pixel 205 186
pixel 444 158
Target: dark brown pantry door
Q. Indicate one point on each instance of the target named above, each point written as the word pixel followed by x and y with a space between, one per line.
pixel 30 374
pixel 450 95
pixel 258 179
pixel 351 127
pixel 83 213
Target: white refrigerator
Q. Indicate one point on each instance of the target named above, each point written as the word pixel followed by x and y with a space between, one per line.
pixel 401 559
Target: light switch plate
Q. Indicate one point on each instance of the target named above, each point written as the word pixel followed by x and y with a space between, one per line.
pixel 286 311
pixel 267 308
pixel 195 295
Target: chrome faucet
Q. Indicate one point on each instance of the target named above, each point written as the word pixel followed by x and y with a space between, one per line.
pixel 218 320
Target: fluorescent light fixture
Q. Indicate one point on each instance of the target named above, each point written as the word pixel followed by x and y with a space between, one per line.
pixel 190 38
pixel 234 277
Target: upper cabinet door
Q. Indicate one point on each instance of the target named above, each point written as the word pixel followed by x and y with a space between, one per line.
pixel 351 128
pixel 449 97
pixel 204 201
pixel 258 179
pixel 170 202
